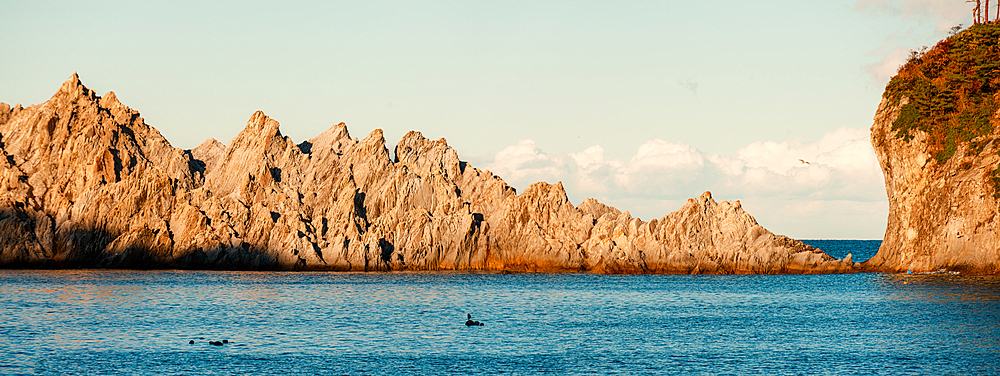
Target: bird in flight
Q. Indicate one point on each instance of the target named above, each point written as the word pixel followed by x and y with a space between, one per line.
pixel 803 161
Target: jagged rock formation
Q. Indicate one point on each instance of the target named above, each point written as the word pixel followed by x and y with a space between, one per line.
pixel 937 139
pixel 86 183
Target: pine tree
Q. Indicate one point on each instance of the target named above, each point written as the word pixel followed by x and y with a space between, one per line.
pixel 976 12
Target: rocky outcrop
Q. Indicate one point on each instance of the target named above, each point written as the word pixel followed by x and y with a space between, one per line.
pixel 86 183
pixel 937 137
pixel 942 216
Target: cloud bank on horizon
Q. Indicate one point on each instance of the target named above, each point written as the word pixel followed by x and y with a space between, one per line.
pixel 782 183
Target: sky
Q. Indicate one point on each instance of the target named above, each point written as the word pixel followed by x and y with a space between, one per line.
pixel 640 104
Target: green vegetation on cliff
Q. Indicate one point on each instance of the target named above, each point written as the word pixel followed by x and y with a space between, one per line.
pixel 952 90
pixel 953 93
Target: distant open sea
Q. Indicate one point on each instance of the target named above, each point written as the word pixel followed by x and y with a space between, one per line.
pixel 105 322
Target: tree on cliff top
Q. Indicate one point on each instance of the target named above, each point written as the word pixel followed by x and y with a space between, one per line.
pixel 952 91
pixel 981 14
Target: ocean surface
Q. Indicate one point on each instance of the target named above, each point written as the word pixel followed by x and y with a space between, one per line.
pixel 104 322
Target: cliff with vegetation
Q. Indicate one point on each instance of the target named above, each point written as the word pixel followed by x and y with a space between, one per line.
pixel 85 182
pixel 936 137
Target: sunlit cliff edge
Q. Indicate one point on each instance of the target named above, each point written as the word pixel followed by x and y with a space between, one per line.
pixel 85 182
pixel 936 138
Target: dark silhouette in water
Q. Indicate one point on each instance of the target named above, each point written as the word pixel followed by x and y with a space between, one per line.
pixel 469 322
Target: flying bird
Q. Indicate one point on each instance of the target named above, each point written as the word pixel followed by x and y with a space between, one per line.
pixel 803 161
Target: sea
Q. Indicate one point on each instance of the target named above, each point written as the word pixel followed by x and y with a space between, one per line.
pixel 172 322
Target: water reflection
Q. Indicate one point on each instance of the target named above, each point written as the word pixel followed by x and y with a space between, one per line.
pixel 773 324
pixel 931 287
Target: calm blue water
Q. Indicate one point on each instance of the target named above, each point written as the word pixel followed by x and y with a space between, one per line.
pixel 139 322
pixel 860 250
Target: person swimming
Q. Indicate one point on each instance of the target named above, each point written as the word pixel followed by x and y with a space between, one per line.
pixel 469 322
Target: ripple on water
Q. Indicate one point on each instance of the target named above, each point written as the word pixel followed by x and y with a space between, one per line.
pixel 106 322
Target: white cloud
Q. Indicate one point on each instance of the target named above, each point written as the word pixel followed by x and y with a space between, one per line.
pixel 662 155
pixel 589 156
pixel 842 173
pixel 660 168
pixel 820 219
pixel 593 172
pixel 525 162
pixel 727 165
pixel 883 70
pixel 841 165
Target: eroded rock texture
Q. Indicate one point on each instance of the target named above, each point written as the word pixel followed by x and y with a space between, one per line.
pixel 942 216
pixel 86 183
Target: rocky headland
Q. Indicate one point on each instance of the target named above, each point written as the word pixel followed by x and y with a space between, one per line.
pixel 936 137
pixel 85 182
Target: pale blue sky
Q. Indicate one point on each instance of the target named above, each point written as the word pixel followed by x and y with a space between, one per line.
pixel 716 76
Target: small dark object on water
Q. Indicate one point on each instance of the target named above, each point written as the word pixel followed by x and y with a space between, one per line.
pixel 191 342
pixel 216 343
pixel 472 323
pixel 225 341
pixel 201 337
